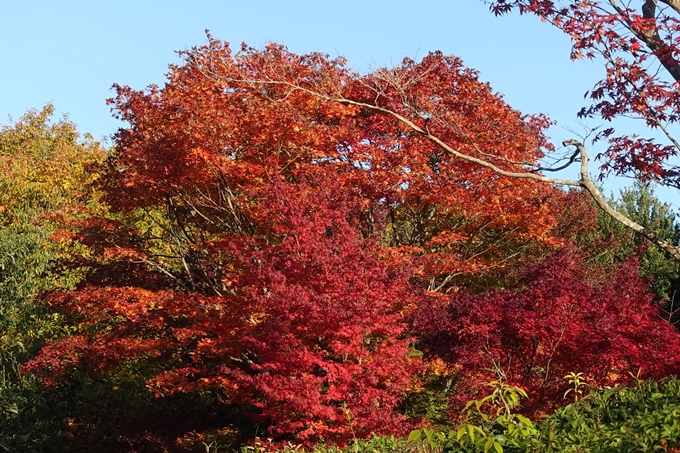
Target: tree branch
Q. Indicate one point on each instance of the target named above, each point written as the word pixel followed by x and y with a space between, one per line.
pixel 600 200
pixel 585 182
pixel 650 35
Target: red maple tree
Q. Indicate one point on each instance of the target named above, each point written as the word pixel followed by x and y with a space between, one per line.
pixel 558 323
pixel 638 47
pixel 311 330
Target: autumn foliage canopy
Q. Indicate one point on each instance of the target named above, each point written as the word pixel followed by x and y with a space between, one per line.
pixel 287 253
pixel 637 44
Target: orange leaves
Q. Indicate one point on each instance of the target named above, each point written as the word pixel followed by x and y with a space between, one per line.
pixel 278 216
pixel 241 122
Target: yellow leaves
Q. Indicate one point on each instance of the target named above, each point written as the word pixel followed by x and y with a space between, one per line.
pixel 438 367
pixel 43 164
pixel 256 318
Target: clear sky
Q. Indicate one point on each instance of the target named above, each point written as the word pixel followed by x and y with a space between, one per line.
pixel 70 52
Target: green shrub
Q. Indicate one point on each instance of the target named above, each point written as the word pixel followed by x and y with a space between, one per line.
pixel 637 419
pixel 643 418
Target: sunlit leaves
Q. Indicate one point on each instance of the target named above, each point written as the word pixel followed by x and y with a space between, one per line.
pixel 44 164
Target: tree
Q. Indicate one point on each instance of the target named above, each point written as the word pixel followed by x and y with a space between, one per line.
pixel 45 172
pixel 275 220
pixel 45 165
pixel 458 219
pixel 307 328
pixel 640 204
pixel 640 56
pixel 44 168
pixel 601 240
pixel 559 323
pixel 266 246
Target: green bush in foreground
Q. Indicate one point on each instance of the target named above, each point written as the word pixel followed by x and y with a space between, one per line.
pixel 644 418
pixel 638 419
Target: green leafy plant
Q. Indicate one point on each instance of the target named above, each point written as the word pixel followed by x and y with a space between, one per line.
pixel 645 417
pixel 578 383
pixel 491 424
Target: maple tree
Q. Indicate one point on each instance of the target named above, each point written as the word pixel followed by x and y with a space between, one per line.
pixel 268 245
pixel 424 197
pixel 300 340
pixel 557 324
pixel 204 141
pixel 637 46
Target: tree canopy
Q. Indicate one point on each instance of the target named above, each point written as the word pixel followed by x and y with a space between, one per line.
pixel 277 245
pixel 309 248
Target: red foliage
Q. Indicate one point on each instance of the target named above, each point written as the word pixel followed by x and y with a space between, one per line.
pixel 331 333
pixel 640 53
pixel 314 329
pixel 557 324
pixel 268 242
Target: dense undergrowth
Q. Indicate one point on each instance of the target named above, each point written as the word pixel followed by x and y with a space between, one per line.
pixel 641 418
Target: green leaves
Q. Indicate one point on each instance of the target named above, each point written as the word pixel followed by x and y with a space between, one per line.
pixel 577 381
pixel 507 431
pixel 640 204
pixel 639 418
pixel 629 419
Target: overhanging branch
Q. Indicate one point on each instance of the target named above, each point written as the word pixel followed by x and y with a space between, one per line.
pixel 585 182
pixel 600 200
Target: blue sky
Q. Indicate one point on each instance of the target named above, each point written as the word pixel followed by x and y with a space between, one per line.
pixel 70 52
